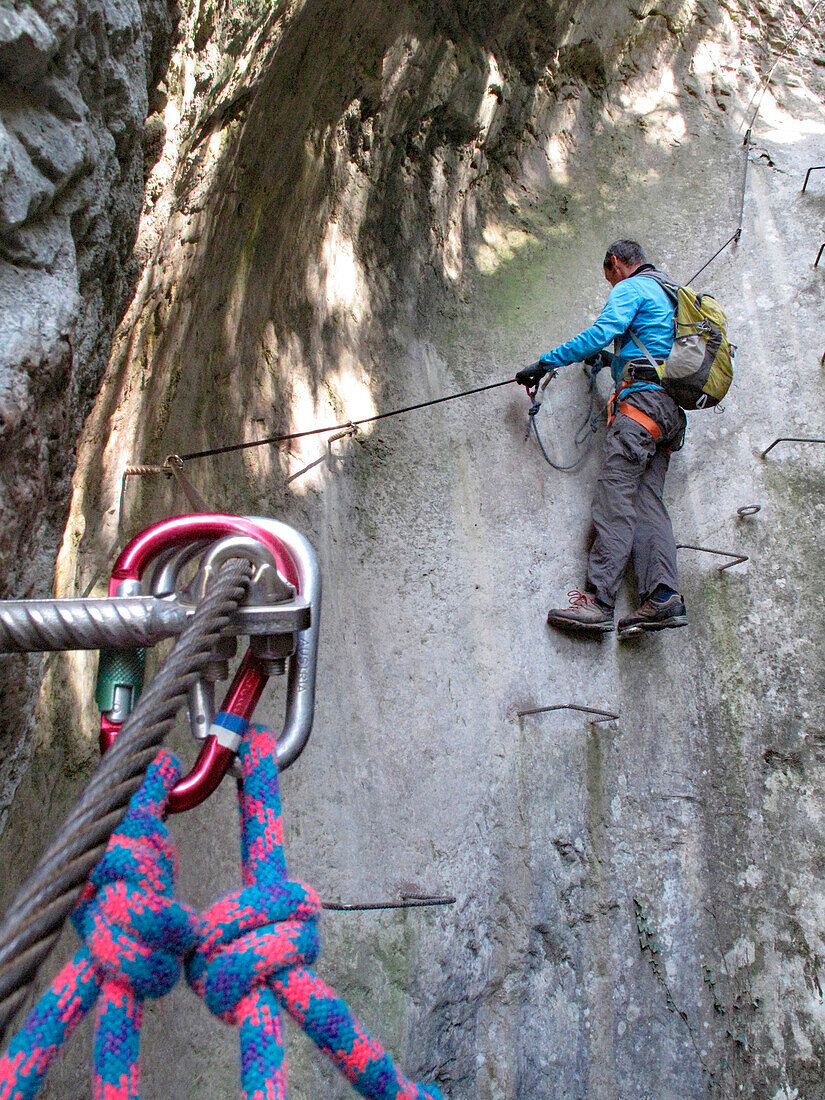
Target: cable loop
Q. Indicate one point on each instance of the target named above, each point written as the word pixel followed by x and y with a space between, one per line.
pixel 583 437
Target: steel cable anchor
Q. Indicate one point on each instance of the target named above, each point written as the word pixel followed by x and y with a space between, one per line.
pixel 280 616
pixel 284 568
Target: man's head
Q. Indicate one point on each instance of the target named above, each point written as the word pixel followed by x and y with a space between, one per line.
pixel 621 260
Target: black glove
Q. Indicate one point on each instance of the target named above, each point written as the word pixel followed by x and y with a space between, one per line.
pixel 532 375
pixel 599 361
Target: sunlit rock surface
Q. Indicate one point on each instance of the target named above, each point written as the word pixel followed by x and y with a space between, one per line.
pixel 354 210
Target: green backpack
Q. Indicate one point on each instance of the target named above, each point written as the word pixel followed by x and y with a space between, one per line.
pixel 699 370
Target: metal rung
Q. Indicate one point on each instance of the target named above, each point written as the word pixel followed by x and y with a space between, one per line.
pixel 408 901
pixel 815 168
pixel 791 438
pixel 738 559
pixel 603 715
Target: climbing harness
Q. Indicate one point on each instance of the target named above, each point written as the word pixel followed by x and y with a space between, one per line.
pixel 251 952
pixel 616 405
pixel 586 432
pixel 173 464
pixel 247 955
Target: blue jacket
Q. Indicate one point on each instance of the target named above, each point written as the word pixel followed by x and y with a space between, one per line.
pixel 635 301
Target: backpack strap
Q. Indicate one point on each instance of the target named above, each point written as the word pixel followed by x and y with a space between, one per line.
pixel 643 349
pixel 668 286
pixel 672 291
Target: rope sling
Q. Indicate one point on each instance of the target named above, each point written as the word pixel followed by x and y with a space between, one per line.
pixel 248 955
pixel 585 433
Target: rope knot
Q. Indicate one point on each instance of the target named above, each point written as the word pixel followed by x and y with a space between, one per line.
pixel 249 937
pixel 135 931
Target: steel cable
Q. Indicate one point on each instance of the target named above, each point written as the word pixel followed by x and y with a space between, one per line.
pixel 39 909
pixel 734 237
pixel 780 57
pixel 274 439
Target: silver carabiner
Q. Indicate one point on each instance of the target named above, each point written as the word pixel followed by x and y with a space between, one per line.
pixel 303 664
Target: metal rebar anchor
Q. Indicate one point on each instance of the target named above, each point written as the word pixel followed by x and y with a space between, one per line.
pixel 737 559
pixel 790 438
pixel 597 715
pixel 813 168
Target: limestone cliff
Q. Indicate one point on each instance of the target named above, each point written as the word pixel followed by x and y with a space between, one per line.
pixel 352 208
pixel 77 81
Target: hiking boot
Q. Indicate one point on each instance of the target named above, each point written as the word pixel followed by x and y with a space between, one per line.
pixel 584 615
pixel 655 615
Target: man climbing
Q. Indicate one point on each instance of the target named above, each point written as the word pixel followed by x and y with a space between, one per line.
pixel 629 515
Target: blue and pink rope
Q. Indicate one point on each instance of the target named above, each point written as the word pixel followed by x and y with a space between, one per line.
pixel 249 955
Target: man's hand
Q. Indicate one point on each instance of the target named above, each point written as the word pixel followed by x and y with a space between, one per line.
pixel 599 361
pixel 532 375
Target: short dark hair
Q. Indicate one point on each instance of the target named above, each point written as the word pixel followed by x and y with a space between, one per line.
pixel 629 252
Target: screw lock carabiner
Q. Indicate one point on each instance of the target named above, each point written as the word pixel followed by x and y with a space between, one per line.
pixel 120 675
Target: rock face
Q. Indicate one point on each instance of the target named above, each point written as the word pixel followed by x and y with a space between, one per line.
pixel 355 208
pixel 75 81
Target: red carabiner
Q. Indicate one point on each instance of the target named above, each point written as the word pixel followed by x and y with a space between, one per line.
pixel 246 688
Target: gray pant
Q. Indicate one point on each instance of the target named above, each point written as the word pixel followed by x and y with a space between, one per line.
pixel 629 514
